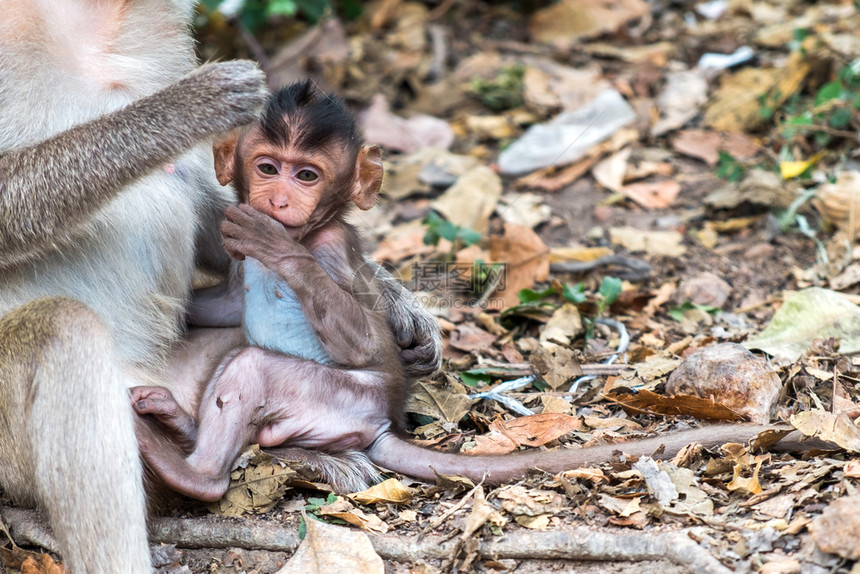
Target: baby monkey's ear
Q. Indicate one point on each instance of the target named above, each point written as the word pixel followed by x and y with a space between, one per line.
pixel 368 177
pixel 224 152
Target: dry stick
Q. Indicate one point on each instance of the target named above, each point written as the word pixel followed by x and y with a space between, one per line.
pixel 581 543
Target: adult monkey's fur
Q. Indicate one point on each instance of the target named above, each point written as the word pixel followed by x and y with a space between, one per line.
pixel 98 241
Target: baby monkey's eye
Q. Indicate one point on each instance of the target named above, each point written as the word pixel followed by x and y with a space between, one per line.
pixel 307 175
pixel 268 169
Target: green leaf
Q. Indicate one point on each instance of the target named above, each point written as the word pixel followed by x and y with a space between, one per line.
pixel 314 10
pixel 840 118
pixel 303 528
pixel 729 168
pixel 468 236
pixel 531 296
pixel 677 313
pixel 475 378
pixel 829 92
pixel 282 8
pixel 574 293
pixel 211 5
pixel 610 289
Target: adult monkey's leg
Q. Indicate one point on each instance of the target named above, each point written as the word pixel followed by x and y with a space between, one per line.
pixel 61 387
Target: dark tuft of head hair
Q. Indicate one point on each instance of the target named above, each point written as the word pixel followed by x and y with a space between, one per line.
pixel 301 115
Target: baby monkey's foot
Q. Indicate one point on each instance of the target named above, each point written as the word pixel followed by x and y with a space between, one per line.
pixel 158 403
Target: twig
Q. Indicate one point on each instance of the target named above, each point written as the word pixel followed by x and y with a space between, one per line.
pixel 636 268
pixel 624 340
pixel 580 543
pixel 450 512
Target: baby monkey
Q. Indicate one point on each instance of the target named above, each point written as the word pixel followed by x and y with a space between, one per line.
pixel 333 381
pixel 308 300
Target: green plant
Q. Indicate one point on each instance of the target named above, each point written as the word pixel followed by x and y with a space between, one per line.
pixel 570 293
pixel 729 168
pixel 610 289
pixel 503 92
pixel 312 508
pixel 439 228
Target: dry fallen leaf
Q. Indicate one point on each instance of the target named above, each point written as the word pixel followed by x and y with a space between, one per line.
pixel 736 106
pixel 568 21
pixel 701 144
pixel 526 260
pixel 468 337
pixel 537 430
pixel 391 490
pixel 555 364
pixel 472 199
pixel 653 195
pixel 647 402
pixel 341 508
pixel 44 564
pixel 829 427
pixel 564 325
pixel 437 402
pixel 654 243
pixel 328 548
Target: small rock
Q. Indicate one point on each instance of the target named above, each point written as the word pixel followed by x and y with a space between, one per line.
pixel 759 251
pixel 733 376
pixel 836 530
pixel 704 289
pixel 603 213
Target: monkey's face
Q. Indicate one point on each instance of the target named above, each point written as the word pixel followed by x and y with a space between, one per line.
pixel 288 184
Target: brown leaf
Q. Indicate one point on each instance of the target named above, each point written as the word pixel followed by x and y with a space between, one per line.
pixel 526 260
pixel 492 443
pixel 552 179
pixel 555 364
pixel 437 402
pixel 537 430
pixel 571 20
pixel 736 105
pixel 341 508
pixel 701 144
pixel 43 564
pixel 468 337
pixel 653 195
pixel 647 402
pixel 391 490
pixel 828 426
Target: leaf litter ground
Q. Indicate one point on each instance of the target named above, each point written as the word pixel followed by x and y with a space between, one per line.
pixel 734 187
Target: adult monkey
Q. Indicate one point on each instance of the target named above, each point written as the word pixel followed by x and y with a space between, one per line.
pixel 97 248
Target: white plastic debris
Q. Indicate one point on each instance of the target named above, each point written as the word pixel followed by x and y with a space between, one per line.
pixel 712 10
pixel 712 61
pixel 569 136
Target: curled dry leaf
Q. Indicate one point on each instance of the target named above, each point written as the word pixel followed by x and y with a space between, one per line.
pixel 647 402
pixel 341 508
pixel 838 429
pixel 748 484
pixel 836 200
pixel 391 490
